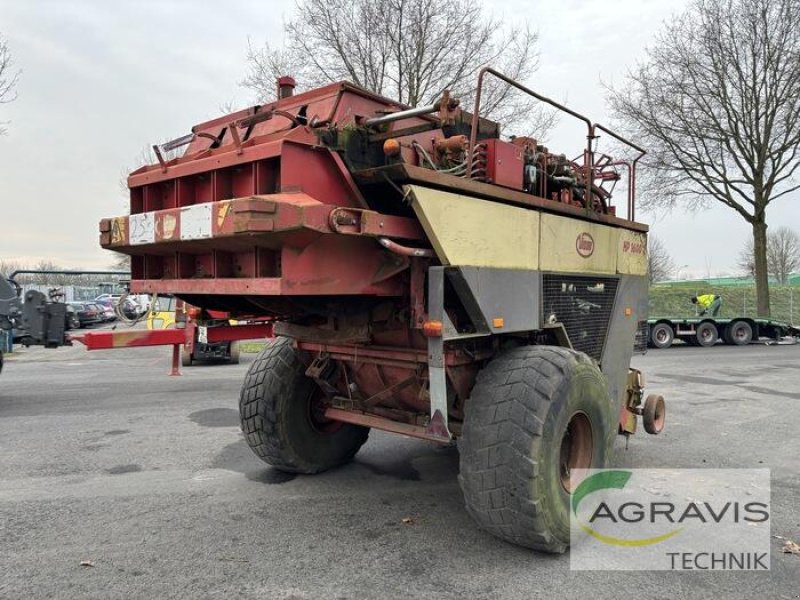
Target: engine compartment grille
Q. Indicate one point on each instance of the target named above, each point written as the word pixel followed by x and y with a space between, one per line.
pixel 583 305
pixel 642 337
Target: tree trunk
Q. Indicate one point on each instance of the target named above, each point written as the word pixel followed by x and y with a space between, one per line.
pixel 760 262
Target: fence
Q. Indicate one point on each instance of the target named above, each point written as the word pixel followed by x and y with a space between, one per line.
pixel 75 293
pixel 674 301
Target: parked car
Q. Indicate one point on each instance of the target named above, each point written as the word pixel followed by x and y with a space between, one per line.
pixel 71 320
pixel 109 314
pixel 129 307
pixel 88 313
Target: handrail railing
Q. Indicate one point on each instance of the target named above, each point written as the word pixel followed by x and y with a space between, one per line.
pixel 632 168
pixel 588 153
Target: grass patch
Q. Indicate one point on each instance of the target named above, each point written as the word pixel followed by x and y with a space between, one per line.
pixel 251 347
pixel 673 300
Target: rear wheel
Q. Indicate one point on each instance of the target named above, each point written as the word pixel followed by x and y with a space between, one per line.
pixel 536 414
pixel 282 418
pixel 739 333
pixel 235 352
pixel 186 356
pixel 662 335
pixel 706 334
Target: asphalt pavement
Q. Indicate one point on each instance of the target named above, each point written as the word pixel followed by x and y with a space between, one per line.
pixel 106 459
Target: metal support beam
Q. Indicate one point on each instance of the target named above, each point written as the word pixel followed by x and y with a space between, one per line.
pixel 367 420
pixel 437 376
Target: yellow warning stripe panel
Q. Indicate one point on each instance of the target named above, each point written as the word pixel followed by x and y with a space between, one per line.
pixel 575 246
pixel 471 232
pixel 632 253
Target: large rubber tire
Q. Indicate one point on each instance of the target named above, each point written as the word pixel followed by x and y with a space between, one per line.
pixel 277 412
pixel 662 335
pixel 511 446
pixel 706 334
pixel 739 333
pixel 186 357
pixel 235 352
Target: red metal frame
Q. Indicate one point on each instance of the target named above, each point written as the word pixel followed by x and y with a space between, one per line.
pixel 265 213
pixel 177 338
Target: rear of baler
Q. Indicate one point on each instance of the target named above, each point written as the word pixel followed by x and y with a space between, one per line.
pixel 424 277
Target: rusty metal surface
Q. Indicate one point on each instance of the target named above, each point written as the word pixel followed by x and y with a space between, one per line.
pixel 295 210
pixel 384 424
pixel 107 340
pixel 413 174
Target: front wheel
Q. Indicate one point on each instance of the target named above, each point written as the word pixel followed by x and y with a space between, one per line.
pixel 662 335
pixel 536 414
pixel 282 418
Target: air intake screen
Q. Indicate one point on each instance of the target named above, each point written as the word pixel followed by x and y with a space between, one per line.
pixel 583 305
pixel 642 336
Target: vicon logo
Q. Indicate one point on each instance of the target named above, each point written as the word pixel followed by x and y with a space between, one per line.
pixel 584 244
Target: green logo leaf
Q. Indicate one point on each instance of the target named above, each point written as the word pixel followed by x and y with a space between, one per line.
pixel 599 481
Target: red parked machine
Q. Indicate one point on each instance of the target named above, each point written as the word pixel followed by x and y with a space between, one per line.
pixel 424 275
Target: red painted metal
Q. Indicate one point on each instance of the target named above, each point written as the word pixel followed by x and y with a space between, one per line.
pixel 106 340
pixel 175 371
pixel 504 164
pixel 368 420
pixel 292 211
pixel 239 332
pixel 131 338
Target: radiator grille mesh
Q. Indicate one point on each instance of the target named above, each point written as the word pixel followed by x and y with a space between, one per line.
pixel 583 305
pixel 642 335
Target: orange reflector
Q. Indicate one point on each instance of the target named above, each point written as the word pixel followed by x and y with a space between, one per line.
pixel 498 322
pixel 432 328
pixel 194 312
pixel 391 147
pixel 628 311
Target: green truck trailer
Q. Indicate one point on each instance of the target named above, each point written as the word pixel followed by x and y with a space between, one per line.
pixel 708 330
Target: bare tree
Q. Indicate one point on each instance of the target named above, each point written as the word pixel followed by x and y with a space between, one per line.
pixel 146 156
pixel 8 266
pixel 660 265
pixel 409 50
pixel 783 255
pixel 746 261
pixel 717 103
pixel 121 262
pixel 8 77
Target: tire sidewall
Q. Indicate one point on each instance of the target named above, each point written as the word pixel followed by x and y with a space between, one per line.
pixel 583 389
pixel 654 337
pixel 310 449
pixel 702 327
pixel 734 326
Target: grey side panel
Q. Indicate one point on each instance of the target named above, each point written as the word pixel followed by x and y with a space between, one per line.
pixel 486 294
pixel 619 345
pixel 509 294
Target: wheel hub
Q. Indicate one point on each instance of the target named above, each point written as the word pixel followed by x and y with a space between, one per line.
pixel 316 414
pixel 576 448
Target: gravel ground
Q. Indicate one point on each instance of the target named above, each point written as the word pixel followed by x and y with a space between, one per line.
pixel 104 458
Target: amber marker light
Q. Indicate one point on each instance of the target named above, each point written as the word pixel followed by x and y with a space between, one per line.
pixel 391 147
pixel 432 328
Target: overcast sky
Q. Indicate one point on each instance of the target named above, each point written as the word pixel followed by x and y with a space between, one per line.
pixel 102 80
